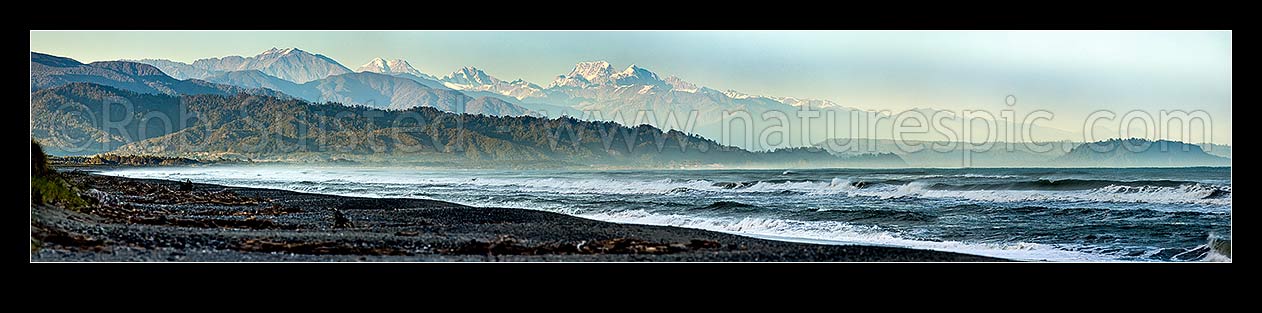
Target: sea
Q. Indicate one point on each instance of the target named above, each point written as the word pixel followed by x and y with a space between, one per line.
pixel 1033 214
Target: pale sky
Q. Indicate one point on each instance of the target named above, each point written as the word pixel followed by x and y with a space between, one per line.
pixel 1070 73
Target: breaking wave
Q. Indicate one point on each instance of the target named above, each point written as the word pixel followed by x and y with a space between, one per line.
pixel 1193 193
pixel 1064 184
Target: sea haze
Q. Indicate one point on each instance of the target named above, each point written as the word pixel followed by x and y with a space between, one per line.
pixel 1056 214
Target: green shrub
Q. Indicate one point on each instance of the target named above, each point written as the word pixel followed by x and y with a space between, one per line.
pixel 54 190
pixel 48 187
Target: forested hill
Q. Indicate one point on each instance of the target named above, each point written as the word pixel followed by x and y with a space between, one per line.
pixel 68 118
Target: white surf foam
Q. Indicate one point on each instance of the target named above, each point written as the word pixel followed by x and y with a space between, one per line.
pixel 827 232
pixel 319 180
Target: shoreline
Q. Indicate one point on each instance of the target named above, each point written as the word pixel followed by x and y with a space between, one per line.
pixel 61 162
pixel 154 220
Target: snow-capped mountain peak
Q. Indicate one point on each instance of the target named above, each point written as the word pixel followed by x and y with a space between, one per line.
pixel 585 74
pixel 635 75
pixel 401 64
pixel 377 65
pixel 630 70
pixel 471 76
pixel 474 79
pixel 278 52
pixel 634 71
pixel 592 70
pixel 601 73
pixel 395 66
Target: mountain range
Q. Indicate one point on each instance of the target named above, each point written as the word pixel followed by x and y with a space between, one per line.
pixel 287 129
pixel 289 64
pixel 590 91
pixel 365 88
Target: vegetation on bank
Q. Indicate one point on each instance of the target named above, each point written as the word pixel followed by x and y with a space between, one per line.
pixel 47 186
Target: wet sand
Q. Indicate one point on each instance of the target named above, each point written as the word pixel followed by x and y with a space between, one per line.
pixel 159 220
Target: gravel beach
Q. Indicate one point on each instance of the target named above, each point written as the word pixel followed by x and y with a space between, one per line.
pixel 161 221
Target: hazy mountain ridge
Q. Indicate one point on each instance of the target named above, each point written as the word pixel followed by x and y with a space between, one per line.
pixel 929 153
pixel 375 90
pixel 258 79
pixel 179 70
pixel 49 71
pixel 1217 149
pixel 1140 152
